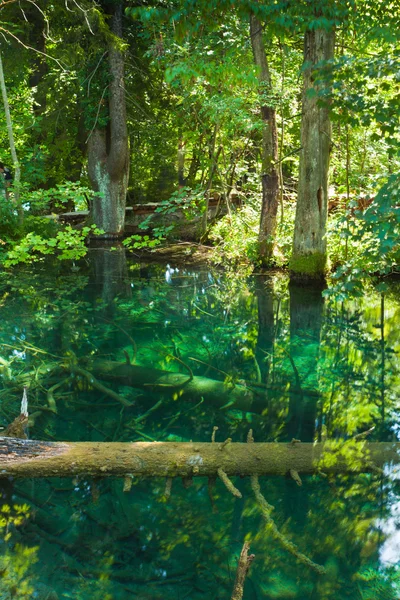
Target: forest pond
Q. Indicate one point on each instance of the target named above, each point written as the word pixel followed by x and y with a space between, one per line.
pixel 318 369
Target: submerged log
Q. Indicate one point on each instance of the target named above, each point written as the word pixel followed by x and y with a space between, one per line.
pixel 194 387
pixel 31 458
pixel 218 393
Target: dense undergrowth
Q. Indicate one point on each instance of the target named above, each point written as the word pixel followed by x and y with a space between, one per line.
pixel 361 243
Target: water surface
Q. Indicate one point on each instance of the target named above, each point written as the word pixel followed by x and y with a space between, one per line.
pixel 320 371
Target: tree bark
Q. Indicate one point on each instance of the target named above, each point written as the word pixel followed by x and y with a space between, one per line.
pixel 17 168
pixel 309 258
pixel 108 152
pixel 31 458
pixel 269 151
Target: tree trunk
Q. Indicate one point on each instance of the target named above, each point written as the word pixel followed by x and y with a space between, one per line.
pixel 309 258
pixel 269 151
pixel 17 169
pixel 108 155
pixel 32 458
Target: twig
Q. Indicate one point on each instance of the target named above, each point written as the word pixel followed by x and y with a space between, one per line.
pixel 97 115
pixel 168 487
pixel 147 413
pixel 294 475
pixel 244 563
pixel 99 386
pixel 127 483
pixel 183 364
pixel 225 443
pixel 287 544
pixel 228 483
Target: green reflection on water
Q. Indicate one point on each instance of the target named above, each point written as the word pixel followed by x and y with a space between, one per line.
pixel 315 371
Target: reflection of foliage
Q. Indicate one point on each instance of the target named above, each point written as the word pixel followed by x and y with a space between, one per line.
pixel 379 584
pixel 68 244
pixel 16 561
pixel 237 329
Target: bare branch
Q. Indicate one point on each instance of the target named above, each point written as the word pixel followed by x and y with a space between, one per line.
pixel 27 47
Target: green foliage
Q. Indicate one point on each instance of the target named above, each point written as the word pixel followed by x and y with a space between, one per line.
pixel 236 237
pixel 373 242
pixel 185 205
pixel 67 194
pixel 16 560
pixel 9 225
pixel 68 244
pixel 138 242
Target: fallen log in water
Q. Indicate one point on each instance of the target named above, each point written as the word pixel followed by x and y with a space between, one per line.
pixel 218 393
pixel 31 458
pixel 194 387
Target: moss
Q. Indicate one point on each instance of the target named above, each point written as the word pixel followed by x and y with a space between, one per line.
pixel 308 266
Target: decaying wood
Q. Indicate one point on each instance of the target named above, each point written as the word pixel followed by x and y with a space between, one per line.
pixel 31 458
pixel 244 563
pixel 218 393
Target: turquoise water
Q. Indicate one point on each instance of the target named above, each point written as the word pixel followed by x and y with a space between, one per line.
pixel 320 371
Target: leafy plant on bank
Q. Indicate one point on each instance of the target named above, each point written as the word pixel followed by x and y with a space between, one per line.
pixel 373 242
pixel 68 244
pixel 62 195
pixel 235 237
pixel 185 205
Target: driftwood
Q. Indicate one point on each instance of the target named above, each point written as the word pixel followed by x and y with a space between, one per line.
pixel 30 458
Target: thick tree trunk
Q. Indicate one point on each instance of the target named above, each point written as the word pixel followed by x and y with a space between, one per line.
pixel 31 458
pixel 309 259
pixel 269 151
pixel 108 155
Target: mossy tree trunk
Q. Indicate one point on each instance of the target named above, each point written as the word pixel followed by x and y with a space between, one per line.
pixel 108 152
pixel 309 258
pixel 31 458
pixel 269 150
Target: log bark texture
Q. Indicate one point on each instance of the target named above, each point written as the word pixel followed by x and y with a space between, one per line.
pixel 31 458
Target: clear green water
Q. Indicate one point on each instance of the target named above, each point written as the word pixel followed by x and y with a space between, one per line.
pixel 320 371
